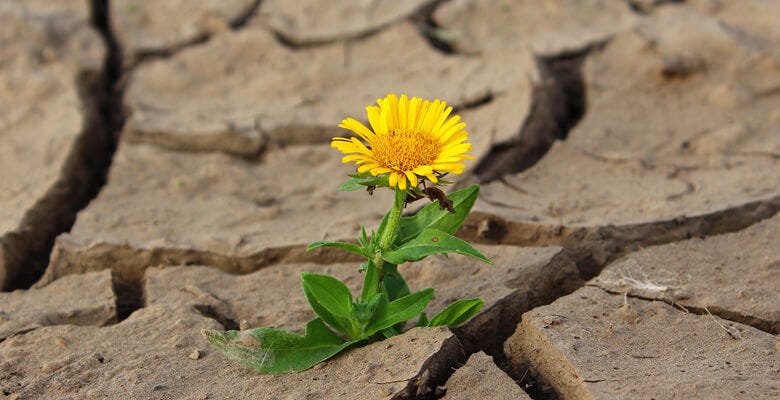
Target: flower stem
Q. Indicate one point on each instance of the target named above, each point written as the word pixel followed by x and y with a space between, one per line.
pixel 387 236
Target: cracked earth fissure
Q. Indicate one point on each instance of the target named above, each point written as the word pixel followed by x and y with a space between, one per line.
pixel 541 286
pixel 592 249
pixel 558 103
pixel 235 24
pixel 605 243
pixel 434 34
pixel 110 106
pixel 291 44
pixel 26 253
pixel 767 326
pixel 644 7
pixel 129 264
pixel 421 18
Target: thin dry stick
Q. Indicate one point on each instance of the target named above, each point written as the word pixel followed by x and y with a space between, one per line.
pixel 389 382
pixel 524 374
pixel 733 335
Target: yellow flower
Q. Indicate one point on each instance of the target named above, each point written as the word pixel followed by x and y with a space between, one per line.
pixel 410 138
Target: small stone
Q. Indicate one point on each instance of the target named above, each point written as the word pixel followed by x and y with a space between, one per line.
pixel 627 313
pixel 550 320
pixel 195 354
pixel 682 294
pixel 60 342
pixel 244 325
pixel 158 387
pixel 774 116
pixel 176 342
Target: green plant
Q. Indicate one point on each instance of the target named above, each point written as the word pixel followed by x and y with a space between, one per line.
pixel 385 303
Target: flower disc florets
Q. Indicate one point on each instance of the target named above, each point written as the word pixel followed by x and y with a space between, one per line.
pixel 410 138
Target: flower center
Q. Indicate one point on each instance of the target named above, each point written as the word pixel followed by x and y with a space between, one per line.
pixel 404 150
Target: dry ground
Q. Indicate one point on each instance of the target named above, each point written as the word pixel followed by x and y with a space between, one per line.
pixel 164 164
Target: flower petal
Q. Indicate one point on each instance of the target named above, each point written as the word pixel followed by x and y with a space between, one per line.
pixel 383 119
pixel 373 118
pixel 455 150
pixel 450 159
pixel 393 179
pixel 361 147
pixel 423 111
pixel 448 167
pixel 379 171
pixel 442 117
pixel 401 181
pixel 366 167
pixel 414 111
pixel 391 102
pixel 431 116
pixel 403 111
pixel 353 157
pixel 357 127
pixel 453 130
pixel 446 126
pixel 456 138
pixel 423 170
pixel 412 178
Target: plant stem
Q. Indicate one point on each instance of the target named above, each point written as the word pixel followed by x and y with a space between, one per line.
pixel 386 240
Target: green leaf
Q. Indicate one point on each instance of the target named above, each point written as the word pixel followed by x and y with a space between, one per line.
pixel 457 312
pixel 276 351
pixel 394 284
pixel 330 292
pixel 431 216
pixel 363 266
pixel 432 241
pixel 370 282
pixel 331 300
pixel 363 180
pixel 390 332
pixel 423 321
pixel 351 185
pixel 350 247
pixel 363 312
pixel 403 309
pixel 379 231
pixel 363 237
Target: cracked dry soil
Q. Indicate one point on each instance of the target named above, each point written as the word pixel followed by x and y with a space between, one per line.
pixel 164 164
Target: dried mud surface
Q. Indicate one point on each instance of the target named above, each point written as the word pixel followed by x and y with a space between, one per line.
pixel 50 54
pixel 628 154
pixel 596 345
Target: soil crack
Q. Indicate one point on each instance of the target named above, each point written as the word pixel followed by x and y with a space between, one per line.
pixel 645 7
pixel 421 18
pixel 235 24
pixel 558 103
pixel 85 169
pixel 212 312
pixel 437 37
pixel 772 327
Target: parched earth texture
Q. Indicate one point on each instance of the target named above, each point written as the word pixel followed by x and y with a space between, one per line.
pixel 164 163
